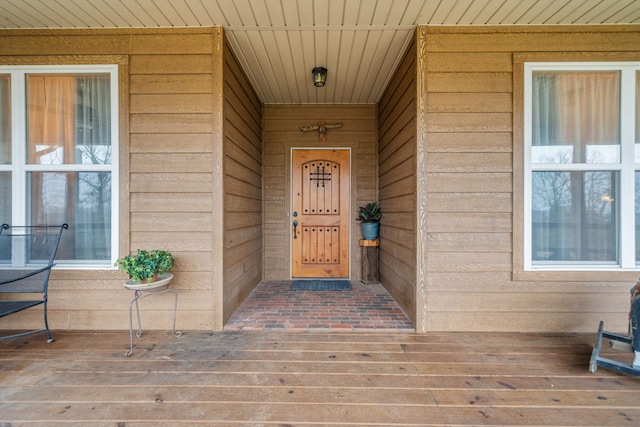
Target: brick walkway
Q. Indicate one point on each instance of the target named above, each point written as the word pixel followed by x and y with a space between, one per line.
pixel 273 305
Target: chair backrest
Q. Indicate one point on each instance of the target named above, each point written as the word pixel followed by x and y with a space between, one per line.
pixel 634 316
pixel 29 245
pixel 27 254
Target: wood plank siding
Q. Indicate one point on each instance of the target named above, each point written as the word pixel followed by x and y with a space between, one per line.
pixel 170 171
pixel 242 185
pixel 281 133
pixel 397 165
pixel 470 100
pixel 205 173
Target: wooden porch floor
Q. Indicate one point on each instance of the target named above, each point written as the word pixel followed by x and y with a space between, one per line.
pixel 311 378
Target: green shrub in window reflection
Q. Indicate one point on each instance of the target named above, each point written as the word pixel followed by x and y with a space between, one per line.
pixel 146 264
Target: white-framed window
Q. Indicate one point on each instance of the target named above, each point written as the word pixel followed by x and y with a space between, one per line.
pixel 58 156
pixel 582 166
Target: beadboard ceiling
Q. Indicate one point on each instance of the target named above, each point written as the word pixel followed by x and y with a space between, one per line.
pixel 278 42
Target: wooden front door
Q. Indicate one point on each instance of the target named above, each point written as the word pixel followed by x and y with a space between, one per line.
pixel 320 213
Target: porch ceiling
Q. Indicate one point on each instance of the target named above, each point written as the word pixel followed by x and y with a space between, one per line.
pixel 360 42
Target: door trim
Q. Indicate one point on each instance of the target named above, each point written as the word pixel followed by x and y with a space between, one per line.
pixel 290 207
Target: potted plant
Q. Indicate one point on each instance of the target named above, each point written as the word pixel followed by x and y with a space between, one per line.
pixel 147 266
pixel 370 216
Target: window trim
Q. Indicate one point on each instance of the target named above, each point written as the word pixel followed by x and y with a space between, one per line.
pixel 519 273
pixel 19 167
pixel 626 166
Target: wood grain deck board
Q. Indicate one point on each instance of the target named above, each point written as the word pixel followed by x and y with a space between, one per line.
pixel 259 413
pixel 290 378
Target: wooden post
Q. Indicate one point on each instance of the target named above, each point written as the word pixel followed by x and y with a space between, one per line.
pixel 370 270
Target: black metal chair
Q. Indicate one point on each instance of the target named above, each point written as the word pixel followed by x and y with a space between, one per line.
pixel 27 255
pixel 630 342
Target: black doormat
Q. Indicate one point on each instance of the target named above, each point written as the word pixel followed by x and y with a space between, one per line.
pixel 321 285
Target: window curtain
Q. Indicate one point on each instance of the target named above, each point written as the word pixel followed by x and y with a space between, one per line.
pixel 574 213
pixel 576 109
pixel 93 146
pixel 69 123
pixel 588 113
pixel 637 158
pixel 637 112
pixel 5 149
pixel 50 141
pixel 5 120
pixel 544 111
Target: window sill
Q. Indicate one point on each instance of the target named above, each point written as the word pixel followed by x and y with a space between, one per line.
pixel 584 275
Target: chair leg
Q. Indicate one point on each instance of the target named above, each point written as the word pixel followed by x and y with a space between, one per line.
pixel 46 324
pixel 595 354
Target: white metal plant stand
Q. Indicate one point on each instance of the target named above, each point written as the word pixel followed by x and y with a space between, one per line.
pixel 143 290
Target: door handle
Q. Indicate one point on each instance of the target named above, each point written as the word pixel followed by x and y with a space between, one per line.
pixel 295 225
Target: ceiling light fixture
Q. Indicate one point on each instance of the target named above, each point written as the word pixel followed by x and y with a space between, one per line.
pixel 319 76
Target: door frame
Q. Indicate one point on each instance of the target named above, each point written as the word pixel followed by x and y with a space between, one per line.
pixel 290 204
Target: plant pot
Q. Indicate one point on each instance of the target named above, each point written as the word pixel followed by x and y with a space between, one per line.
pixel 370 230
pixel 163 281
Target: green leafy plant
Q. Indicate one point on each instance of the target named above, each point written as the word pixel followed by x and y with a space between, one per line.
pixel 146 264
pixel 370 212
